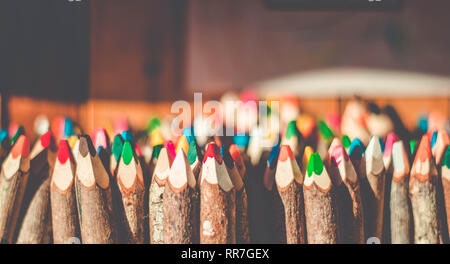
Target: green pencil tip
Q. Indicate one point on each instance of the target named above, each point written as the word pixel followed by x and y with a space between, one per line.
pixel 117 147
pixel 127 152
pixel 346 142
pixel 156 151
pixel 325 131
pixel 192 152
pixel 446 161
pixel 154 123
pixel 291 129
pixel 412 146
pixel 315 164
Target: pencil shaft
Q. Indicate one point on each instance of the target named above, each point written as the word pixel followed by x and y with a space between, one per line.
pixel 400 212
pixel 64 215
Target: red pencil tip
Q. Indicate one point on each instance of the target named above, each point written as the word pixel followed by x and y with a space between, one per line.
pixel 138 150
pixel 46 139
pixel 424 149
pixel 63 151
pixel 285 153
pixel 170 149
pixel 22 147
pixel 212 151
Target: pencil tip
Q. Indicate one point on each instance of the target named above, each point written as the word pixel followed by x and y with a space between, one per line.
pixel 315 165
pixel 126 135
pixel 117 147
pixel 412 146
pixel 189 134
pixel 390 140
pixel 241 140
pixel 273 156
pixel 424 149
pixel 127 152
pixel 226 157
pixel 170 148
pixel 285 153
pixel 46 139
pixel 337 153
pixel 307 154
pixel 156 138
pixel 356 149
pixel 346 142
pixel 101 138
pixel 85 146
pixel 21 147
pixel 236 155
pixel 183 144
pixel 154 123
pixel 192 154
pixel 374 148
pixel 212 151
pixel 63 151
pixel 433 140
pixel 291 129
pixel 19 132
pixel 325 131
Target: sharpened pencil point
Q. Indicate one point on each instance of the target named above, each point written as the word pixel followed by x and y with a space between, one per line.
pixel 212 151
pixel 356 149
pixel 273 156
pixel 126 135
pixel 183 144
pixel 117 147
pixel 156 138
pixel 192 154
pixel 285 153
pixel 63 151
pixel 424 149
pixel 85 146
pixel 325 131
pixel 127 153
pixel 390 140
pixel 101 139
pixel 170 149
pixel 315 165
pixel 20 131
pixel 22 147
pixel 291 129
pixel 433 138
pixel 337 153
pixel 412 146
pixel 46 139
pixel 346 142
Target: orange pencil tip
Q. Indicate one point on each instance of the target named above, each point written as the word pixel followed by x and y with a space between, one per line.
pixel 22 147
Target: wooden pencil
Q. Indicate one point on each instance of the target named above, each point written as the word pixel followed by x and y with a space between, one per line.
pixel 356 154
pixel 400 209
pixel 423 195
pixel 373 189
pixel 13 181
pixel 242 230
pixel 391 138
pixel 217 200
pixel 94 197
pixel 74 144
pixel 131 186
pixel 179 203
pixel 320 204
pixel 438 151
pixel 157 186
pixel 445 175
pixel 349 202
pixel 273 214
pixel 65 223
pixel 116 152
pixel 325 138
pixel 35 216
pixel 289 181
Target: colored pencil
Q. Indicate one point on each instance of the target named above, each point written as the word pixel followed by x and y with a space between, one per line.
pixel 242 229
pixel 442 141
pixel 156 191
pixel 273 215
pixel 62 197
pixel 13 181
pixel 131 186
pixel 373 189
pixel 94 197
pixel 294 139
pixel 179 203
pixel 195 160
pixel 289 181
pixel 349 202
pixel 400 209
pixel 320 204
pixel 103 148
pixel 35 216
pixel 217 200
pixel 423 195
pixel 356 154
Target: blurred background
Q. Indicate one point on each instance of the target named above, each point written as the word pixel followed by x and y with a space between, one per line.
pixel 92 60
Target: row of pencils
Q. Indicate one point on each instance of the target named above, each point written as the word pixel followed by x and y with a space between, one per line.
pixel 97 189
